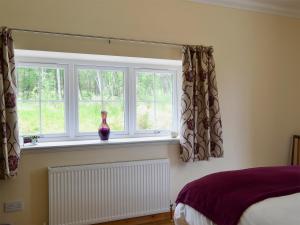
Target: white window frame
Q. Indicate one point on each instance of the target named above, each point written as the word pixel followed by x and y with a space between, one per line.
pixel 65 134
pixel 71 62
pixel 114 134
pixel 173 73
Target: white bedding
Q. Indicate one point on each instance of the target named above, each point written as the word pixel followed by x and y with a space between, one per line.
pixel 283 210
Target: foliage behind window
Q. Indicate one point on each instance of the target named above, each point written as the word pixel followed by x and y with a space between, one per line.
pixel 100 90
pixel 41 100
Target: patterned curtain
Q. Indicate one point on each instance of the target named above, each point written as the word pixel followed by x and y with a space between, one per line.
pixel 9 133
pixel 295 160
pixel 201 126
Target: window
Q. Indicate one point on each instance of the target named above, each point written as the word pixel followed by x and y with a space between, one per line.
pixel 101 89
pixel 154 100
pixel 41 101
pixel 61 97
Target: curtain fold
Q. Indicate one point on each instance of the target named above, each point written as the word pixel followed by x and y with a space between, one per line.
pixel 201 126
pixel 9 132
pixel 295 159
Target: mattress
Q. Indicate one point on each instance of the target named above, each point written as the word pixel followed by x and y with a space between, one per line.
pixel 272 211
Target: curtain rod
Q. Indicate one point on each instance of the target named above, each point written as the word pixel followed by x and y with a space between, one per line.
pixel 97 37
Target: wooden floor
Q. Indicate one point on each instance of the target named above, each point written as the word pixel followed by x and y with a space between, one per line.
pixel 158 219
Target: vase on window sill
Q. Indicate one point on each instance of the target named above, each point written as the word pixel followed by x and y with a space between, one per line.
pixel 104 129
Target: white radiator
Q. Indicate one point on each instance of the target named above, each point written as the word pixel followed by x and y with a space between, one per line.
pixel 88 194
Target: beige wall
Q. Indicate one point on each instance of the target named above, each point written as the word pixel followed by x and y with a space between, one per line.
pixel 257 58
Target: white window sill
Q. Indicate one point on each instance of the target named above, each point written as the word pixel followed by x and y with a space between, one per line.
pixel 121 141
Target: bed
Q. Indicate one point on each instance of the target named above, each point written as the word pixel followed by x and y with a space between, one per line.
pixel 257 196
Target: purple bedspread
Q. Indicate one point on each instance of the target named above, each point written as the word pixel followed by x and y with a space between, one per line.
pixel 223 197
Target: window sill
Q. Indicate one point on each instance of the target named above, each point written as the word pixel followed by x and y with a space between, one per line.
pixel 98 143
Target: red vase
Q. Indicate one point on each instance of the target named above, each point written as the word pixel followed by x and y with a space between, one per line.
pixel 104 129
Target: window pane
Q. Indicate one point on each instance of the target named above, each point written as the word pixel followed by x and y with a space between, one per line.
pixel 29 118
pixel 53 117
pixel 101 85
pixel 164 116
pixel 113 85
pixel 52 84
pixel 163 87
pixel 28 83
pixel 41 88
pixel 89 116
pixel 145 86
pixel 101 90
pixel 89 84
pixel 145 116
pixel 115 115
pixel 154 101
